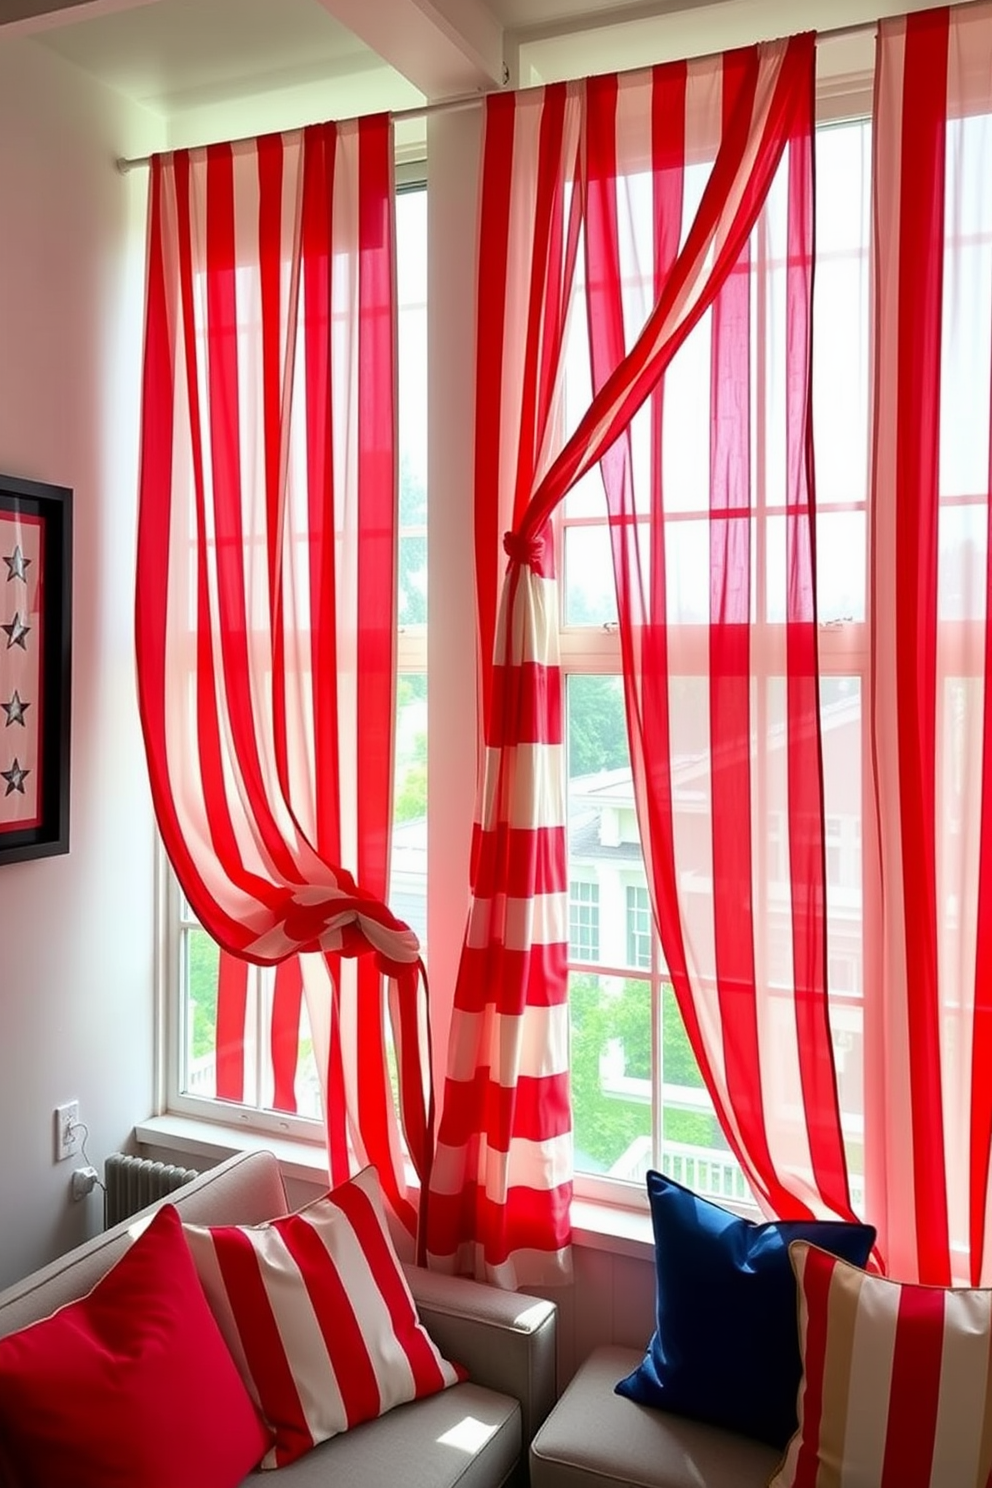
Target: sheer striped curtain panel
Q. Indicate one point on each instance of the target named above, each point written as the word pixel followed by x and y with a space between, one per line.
pixel 928 1041
pixel 266 602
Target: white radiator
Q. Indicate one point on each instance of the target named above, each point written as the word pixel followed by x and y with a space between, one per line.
pixel 134 1182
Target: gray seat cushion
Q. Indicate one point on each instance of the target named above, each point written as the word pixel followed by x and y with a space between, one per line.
pixel 594 1437
pixel 464 1437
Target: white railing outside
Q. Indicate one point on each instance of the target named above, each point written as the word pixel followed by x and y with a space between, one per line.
pixel 201 1075
pixel 711 1172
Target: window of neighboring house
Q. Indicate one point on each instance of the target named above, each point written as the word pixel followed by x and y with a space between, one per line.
pixel 192 958
pixel 639 929
pixel 638 1097
pixel 583 920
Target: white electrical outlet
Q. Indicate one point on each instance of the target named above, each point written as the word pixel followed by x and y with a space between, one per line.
pixel 67 1134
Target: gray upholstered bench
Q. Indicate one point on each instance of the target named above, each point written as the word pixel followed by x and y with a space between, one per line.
pixel 594 1438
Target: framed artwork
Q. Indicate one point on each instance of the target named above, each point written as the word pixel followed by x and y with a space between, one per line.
pixel 35 668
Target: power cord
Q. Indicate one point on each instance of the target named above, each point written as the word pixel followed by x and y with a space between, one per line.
pixel 86 1178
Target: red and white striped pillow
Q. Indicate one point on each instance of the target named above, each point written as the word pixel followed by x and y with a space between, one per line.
pixel 318 1316
pixel 897 1384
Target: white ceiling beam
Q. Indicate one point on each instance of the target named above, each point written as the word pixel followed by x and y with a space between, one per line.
pixel 26 17
pixel 442 47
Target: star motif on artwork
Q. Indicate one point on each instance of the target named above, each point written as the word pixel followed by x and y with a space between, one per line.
pixel 16 633
pixel 17 565
pixel 15 778
pixel 15 710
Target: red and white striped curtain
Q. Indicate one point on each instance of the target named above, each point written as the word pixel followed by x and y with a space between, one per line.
pixel 733 715
pixel 266 603
pixel 502 1176
pixel 928 1010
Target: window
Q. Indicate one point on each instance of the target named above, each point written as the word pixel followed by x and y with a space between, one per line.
pixel 638 1096
pixel 583 921
pixel 638 926
pixel 198 1049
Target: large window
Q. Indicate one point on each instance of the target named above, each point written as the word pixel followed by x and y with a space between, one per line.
pixel 638 1095
pixel 193 965
pixel 639 1099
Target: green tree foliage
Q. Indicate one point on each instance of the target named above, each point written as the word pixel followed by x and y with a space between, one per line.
pixel 597 726
pixel 680 1062
pixel 412 598
pixel 411 687
pixel 204 961
pixel 410 794
pixel 606 1124
pixel 410 800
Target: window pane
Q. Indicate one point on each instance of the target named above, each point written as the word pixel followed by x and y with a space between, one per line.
pixel 590 596
pixel 694 1150
pixel 638 1097
pixel 306 1083
pixel 411 286
pixel 603 838
pixel 201 958
pixel 841 558
pixel 408 865
pixel 840 312
pixel 611 1075
pixel 841 725
pixel 962 574
pixel 840 566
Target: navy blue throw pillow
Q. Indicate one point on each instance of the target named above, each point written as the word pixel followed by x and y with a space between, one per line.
pixel 726 1345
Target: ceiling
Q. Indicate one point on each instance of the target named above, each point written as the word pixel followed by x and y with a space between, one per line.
pixel 214 68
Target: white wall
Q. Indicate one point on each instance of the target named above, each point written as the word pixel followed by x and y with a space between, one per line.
pixel 76 932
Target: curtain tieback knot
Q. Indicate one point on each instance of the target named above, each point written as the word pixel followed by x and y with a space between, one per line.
pixel 524 550
pixel 305 924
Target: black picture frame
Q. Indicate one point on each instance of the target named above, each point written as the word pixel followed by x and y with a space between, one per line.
pixel 35 667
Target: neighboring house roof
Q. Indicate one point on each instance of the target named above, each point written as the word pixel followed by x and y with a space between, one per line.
pixel 583 842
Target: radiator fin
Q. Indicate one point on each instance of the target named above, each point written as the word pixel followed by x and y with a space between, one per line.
pixel 134 1182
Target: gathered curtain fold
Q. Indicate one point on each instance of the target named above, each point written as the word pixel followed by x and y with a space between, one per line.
pixel 266 608
pixel 928 1028
pixel 501 1183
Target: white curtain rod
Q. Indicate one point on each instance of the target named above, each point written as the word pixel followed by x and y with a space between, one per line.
pixel 473 100
pixel 419 111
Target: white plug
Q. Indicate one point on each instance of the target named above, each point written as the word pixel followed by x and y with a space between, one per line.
pixel 84 1181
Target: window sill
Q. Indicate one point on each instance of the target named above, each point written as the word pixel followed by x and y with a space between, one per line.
pixel 305 1161
pixel 596 1226
pixel 610 1227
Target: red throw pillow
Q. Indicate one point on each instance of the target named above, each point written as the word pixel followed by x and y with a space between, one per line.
pixel 6 1471
pixel 318 1316
pixel 132 1386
